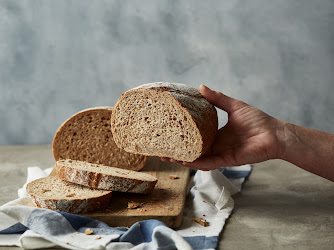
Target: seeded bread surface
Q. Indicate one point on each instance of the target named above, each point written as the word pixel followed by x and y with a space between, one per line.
pixel 56 194
pixel 164 119
pixel 87 136
pixel 104 177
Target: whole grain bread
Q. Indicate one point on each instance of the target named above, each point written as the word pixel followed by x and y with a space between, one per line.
pixel 104 177
pixel 56 194
pixel 164 119
pixel 86 136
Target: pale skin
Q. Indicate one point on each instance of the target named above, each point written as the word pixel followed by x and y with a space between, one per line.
pixel 252 136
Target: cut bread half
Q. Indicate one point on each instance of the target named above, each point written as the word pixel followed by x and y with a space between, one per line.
pixel 86 136
pixel 56 194
pixel 104 177
pixel 164 119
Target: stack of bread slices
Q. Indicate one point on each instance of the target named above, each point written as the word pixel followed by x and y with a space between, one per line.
pixel 89 166
pixel 101 150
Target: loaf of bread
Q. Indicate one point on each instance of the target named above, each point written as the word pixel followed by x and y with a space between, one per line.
pixel 56 194
pixel 166 120
pixel 86 136
pixel 104 177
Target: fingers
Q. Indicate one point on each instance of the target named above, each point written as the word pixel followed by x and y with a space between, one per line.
pixel 218 99
pixel 203 163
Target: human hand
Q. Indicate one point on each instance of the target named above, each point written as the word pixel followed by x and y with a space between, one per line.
pixel 250 135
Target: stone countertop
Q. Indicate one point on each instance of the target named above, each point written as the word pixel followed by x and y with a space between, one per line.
pixel 280 206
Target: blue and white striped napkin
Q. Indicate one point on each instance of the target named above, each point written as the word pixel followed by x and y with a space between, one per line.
pixel 209 198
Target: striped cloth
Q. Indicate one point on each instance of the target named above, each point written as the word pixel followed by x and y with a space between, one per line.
pixel 209 197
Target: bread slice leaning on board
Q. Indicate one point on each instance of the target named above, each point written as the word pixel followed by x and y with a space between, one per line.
pixel 56 194
pixel 104 177
pixel 87 136
pixel 166 120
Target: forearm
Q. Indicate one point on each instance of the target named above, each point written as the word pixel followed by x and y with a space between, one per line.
pixel 308 149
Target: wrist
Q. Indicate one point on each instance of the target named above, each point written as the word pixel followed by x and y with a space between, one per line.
pixel 286 137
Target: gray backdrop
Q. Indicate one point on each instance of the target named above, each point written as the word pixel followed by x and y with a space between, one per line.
pixel 58 57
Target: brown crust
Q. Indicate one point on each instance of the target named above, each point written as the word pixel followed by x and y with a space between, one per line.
pixel 206 123
pixel 135 162
pixel 69 204
pixel 74 206
pixel 104 181
pixel 167 89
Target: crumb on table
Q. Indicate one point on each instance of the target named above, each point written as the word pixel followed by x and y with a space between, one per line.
pixel 88 231
pixel 201 221
pixel 134 204
pixel 173 177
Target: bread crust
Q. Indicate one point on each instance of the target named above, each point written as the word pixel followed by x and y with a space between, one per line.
pixel 65 203
pixel 130 182
pixel 73 206
pixel 63 148
pixel 202 114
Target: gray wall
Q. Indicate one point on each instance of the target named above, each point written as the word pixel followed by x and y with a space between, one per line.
pixel 58 57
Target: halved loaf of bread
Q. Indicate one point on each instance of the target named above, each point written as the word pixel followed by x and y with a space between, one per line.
pixel 56 194
pixel 86 136
pixel 166 120
pixel 104 177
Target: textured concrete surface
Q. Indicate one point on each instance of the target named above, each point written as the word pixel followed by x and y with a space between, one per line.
pixel 280 207
pixel 58 57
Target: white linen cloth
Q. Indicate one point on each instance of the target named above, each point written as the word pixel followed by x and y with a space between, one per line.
pixel 209 198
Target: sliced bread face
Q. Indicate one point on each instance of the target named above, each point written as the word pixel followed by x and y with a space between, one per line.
pixel 104 177
pixel 86 136
pixel 56 194
pixel 166 120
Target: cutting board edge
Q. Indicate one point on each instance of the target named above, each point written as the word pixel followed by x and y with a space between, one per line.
pixel 169 221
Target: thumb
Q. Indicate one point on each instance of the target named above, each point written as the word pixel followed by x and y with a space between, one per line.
pixel 218 99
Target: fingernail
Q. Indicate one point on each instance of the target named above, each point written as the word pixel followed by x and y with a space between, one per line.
pixel 202 86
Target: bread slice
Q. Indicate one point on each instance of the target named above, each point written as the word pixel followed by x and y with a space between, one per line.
pixel 86 136
pixel 56 194
pixel 104 177
pixel 166 120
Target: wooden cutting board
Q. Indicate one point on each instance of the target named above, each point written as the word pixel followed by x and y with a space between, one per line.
pixel 165 203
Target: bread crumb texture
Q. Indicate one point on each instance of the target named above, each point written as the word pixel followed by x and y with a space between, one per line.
pixel 166 120
pixel 87 136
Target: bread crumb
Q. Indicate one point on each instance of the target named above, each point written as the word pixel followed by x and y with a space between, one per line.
pixel 67 243
pixel 133 204
pixel 98 238
pixel 201 221
pixel 173 177
pixel 88 231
